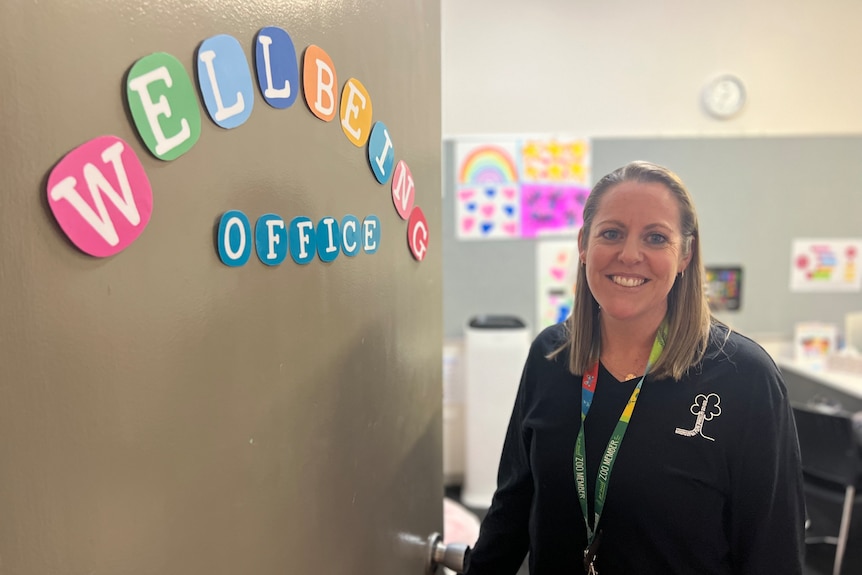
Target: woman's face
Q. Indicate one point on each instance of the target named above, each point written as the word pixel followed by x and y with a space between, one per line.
pixel 634 251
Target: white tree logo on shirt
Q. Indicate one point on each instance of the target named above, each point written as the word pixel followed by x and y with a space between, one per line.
pixel 705 407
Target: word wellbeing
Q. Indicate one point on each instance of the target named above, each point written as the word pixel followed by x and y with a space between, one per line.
pixel 102 197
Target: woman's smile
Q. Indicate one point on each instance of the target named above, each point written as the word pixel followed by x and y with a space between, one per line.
pixel 629 282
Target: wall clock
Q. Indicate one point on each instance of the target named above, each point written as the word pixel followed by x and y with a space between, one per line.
pixel 724 96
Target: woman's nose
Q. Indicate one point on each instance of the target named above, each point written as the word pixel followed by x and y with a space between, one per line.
pixel 630 252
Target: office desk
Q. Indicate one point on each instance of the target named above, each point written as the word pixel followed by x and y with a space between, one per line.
pixel 808 385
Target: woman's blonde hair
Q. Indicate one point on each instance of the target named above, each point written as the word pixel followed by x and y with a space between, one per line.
pixel 688 317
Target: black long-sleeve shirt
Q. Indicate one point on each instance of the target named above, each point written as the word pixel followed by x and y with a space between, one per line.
pixel 716 494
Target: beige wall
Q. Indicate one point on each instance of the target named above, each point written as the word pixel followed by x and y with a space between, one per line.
pixel 628 68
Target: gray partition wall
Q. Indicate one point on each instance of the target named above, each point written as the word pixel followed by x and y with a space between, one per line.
pixel 754 196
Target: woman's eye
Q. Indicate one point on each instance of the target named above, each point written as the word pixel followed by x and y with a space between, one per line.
pixel 656 239
pixel 611 234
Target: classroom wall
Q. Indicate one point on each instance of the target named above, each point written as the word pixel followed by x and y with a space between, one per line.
pixel 622 67
pixel 753 196
pixel 630 75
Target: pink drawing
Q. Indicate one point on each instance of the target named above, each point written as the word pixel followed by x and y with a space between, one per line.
pixel 105 168
pixel 510 229
pixel 509 193
pixel 551 208
pixel 488 210
pixel 558 273
pixel 466 194
pixel 467 224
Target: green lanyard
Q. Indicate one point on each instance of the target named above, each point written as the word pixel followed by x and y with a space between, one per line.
pixel 610 455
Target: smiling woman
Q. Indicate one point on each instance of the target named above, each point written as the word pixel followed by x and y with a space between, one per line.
pixel 685 452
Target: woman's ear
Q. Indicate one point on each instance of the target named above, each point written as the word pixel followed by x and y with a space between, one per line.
pixel 582 253
pixel 686 259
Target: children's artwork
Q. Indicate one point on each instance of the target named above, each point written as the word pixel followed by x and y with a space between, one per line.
pixel 814 342
pixel 557 268
pixel 520 188
pixel 724 288
pixel 552 208
pixel 487 198
pixel 556 161
pixel 826 265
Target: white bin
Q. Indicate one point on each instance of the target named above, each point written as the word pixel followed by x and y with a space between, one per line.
pixel 495 348
pixel 453 411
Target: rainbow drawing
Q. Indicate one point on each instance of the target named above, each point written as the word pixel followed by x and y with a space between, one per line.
pixel 488 165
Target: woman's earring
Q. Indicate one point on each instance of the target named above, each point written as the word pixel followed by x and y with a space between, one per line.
pixel 682 274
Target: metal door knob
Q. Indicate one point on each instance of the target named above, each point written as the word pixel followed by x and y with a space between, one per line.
pixel 453 556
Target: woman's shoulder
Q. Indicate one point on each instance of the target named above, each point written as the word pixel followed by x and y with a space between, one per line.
pixel 728 345
pixel 739 362
pixel 549 340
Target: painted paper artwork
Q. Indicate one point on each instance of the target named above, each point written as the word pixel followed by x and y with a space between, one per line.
pixel 487 201
pixel 552 209
pixel 826 265
pixel 521 188
pixel 814 342
pixel 556 161
pixel 556 272
pixel 724 288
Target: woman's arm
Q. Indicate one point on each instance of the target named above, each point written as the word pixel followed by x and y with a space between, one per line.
pixel 767 501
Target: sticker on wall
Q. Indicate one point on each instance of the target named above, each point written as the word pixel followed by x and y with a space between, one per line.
pixel 417 234
pixel 276 65
pixel 105 168
pixel 826 265
pixel 556 272
pixel 302 240
pixel 371 234
pixel 355 112
pixel 165 108
pixel 164 105
pixel 350 238
pixel 724 288
pixel 557 161
pixel 403 190
pixel 234 238
pixel 225 81
pixel 270 239
pixel 487 196
pixel 328 239
pixel 319 82
pixel 552 208
pixel 381 156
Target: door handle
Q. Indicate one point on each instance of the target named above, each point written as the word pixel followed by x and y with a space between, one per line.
pixel 453 556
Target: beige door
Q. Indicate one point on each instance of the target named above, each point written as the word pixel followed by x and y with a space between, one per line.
pixel 163 413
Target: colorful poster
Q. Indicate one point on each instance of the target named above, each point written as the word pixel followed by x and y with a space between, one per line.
pixel 487 197
pixel 826 265
pixel 814 342
pixel 557 161
pixel 552 209
pixel 556 273
pixel 724 288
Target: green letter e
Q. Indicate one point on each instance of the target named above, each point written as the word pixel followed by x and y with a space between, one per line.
pixel 164 106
